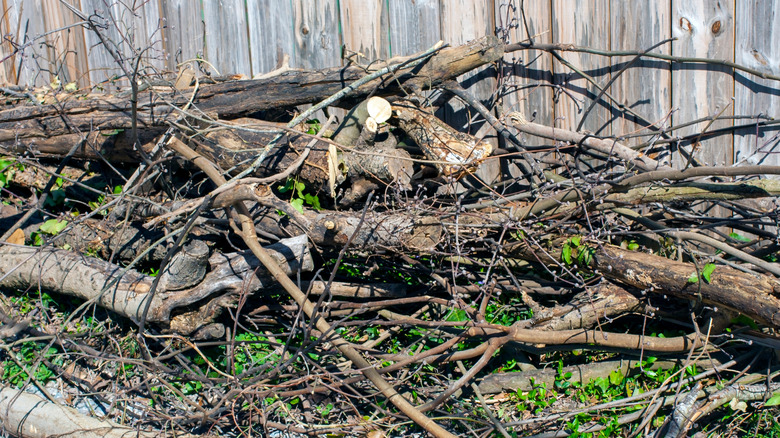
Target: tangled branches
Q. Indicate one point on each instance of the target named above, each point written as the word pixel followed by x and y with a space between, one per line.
pixel 184 269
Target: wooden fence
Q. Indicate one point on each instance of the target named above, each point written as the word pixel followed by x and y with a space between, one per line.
pixel 42 39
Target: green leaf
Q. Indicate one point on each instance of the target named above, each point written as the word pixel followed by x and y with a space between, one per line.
pixel 288 185
pixel 633 246
pixel 566 254
pixel 707 271
pixel 300 187
pixel 694 278
pixel 118 190
pixel 575 240
pixel 297 204
pixel 312 201
pixel 585 256
pixel 739 237
pixel 56 197
pixel 773 401
pixel 53 226
pixel 111 132
pixel 616 377
pixel 602 384
pixel 744 320
pixel 457 315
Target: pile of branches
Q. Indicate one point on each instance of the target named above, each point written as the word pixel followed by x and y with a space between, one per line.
pixel 238 267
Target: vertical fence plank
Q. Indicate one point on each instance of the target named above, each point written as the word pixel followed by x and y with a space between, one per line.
pixel 317 40
pixel 137 33
pixel 703 29
pixel 583 23
pixel 147 29
pixel 27 19
pixel 645 87
pixel 415 25
pixel 184 31
pixel 462 21
pixel 9 27
pixel 270 33
pixel 102 66
pixel 528 76
pixel 227 40
pixel 757 28
pixel 66 46
pixel 364 28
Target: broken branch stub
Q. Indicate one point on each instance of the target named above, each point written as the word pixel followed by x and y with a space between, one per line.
pixel 451 151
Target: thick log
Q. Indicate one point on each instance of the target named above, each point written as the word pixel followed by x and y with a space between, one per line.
pixel 36 127
pixel 31 416
pixel 752 295
pixel 234 149
pixel 450 150
pixel 126 292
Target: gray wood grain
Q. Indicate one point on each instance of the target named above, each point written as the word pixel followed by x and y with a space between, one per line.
pixel 65 45
pixel 131 33
pixel 364 27
pixel 183 32
pixel 317 39
pixel 227 37
pixel 756 46
pixel 583 23
pixel 9 25
pixel 527 73
pixel 414 25
pixel 462 21
pixel 703 29
pixel 27 19
pixel 271 33
pixel 646 86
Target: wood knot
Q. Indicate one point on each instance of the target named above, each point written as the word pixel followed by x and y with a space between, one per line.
pixel 686 25
pixel 716 27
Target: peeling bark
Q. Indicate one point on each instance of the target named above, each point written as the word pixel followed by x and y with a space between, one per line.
pixel 126 292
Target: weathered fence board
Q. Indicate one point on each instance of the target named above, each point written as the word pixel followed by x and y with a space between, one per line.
pixel 271 33
pixel 183 32
pixel 528 74
pixel 365 29
pixel 415 25
pixel 227 36
pixel 65 45
pixel 645 87
pixel 250 37
pixel 317 41
pixel 757 25
pixel 582 23
pixel 703 29
pixel 33 61
pixel 462 21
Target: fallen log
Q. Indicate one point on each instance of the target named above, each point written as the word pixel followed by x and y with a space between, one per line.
pixel 107 120
pixel 126 291
pixel 30 416
pixel 753 295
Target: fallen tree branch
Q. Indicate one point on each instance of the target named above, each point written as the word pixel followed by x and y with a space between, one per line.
pixel 349 352
pixel 30 416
